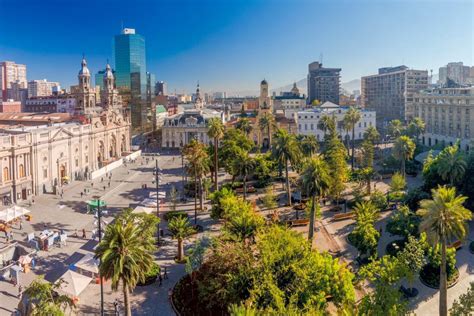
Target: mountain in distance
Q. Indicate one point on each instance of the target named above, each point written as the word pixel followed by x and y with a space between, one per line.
pixel 302 85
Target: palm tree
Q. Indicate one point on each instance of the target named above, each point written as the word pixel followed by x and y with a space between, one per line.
pixel 395 128
pixel 351 118
pixel 126 254
pixel 325 122
pixel 315 180
pixel 243 164
pixel 285 150
pixel 308 144
pixel 443 218
pixel 244 125
pixel 198 166
pixel 416 128
pixel 403 150
pixel 371 134
pixel 43 299
pixel 452 164
pixel 216 131
pixel 180 229
pixel 266 123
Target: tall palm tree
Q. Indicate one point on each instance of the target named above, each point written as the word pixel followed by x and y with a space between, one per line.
pixel 244 125
pixel 126 253
pixel 395 128
pixel 452 164
pixel 325 122
pixel 180 229
pixel 416 128
pixel 315 180
pixel 309 145
pixel 215 131
pixel 267 123
pixel 351 118
pixel 286 150
pixel 403 150
pixel 443 218
pixel 371 134
pixel 198 166
pixel 243 164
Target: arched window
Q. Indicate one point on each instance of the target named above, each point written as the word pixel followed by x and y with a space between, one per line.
pixel 21 171
pixel 6 174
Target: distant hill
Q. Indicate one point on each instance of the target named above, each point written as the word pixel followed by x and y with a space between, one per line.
pixel 302 86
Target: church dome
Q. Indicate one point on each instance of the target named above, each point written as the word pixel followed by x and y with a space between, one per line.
pixel 108 72
pixel 84 70
pixel 263 82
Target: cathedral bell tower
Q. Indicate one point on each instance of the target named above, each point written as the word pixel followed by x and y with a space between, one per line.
pixel 85 96
pixel 264 101
pixel 109 95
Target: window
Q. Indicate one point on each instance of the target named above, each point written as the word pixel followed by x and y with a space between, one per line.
pixel 6 174
pixel 45 173
pixel 21 171
pixel 77 162
pixel 87 159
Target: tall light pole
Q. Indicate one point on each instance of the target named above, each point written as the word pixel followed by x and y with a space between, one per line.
pixel 97 204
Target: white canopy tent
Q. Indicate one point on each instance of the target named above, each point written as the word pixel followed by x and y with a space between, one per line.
pixel 12 213
pixel 74 283
pixel 88 263
pixel 148 202
pixel 162 195
pixel 143 209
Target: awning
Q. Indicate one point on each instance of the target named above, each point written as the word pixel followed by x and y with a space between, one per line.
pixel 73 283
pixel 88 263
pixel 148 202
pixel 12 213
pixel 162 195
pixel 143 209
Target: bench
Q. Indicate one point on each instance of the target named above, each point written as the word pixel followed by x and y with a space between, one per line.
pixel 299 207
pixel 456 245
pixel 298 222
pixel 343 216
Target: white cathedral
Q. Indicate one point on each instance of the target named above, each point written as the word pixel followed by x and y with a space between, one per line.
pixel 38 159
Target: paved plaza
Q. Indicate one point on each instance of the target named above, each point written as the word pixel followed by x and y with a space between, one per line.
pixel 69 213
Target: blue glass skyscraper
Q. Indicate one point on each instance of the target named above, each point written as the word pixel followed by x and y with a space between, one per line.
pixel 130 73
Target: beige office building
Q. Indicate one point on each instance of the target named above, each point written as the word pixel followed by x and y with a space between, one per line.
pixel 448 114
pixel 10 72
pixel 41 88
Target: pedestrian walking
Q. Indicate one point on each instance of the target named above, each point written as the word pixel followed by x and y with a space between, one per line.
pixel 109 184
pixel 166 273
pixel 160 279
pixel 82 194
pixel 61 195
pixel 21 225
pixel 116 307
pixel 11 235
pixel 92 184
pixel 83 233
pixel 20 290
pixel 75 232
pixel 104 187
pixel 102 179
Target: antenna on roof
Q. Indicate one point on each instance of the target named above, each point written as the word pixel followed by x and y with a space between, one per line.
pixel 321 58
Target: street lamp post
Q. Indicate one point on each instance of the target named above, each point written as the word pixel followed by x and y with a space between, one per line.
pixel 157 179
pixel 97 203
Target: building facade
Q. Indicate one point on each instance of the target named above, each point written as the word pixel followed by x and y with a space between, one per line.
pixel 51 104
pixel 161 88
pixel 11 72
pixel 455 71
pixel 390 93
pixel 41 88
pixel 10 106
pixel 308 121
pixel 290 102
pixel 180 129
pixel 323 83
pixel 448 114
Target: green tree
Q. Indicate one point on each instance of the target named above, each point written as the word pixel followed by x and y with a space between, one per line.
pixel 233 140
pixel 443 218
pixel 465 305
pixel 315 181
pixel 403 222
pixel 325 123
pixel 269 199
pixel 365 236
pixel 351 118
pixel 413 258
pixel 266 124
pixel 244 226
pixel 215 131
pixel 180 229
pixel 395 128
pixel 335 157
pixel 403 150
pixel 451 164
pixel 398 182
pixel 198 166
pixel 126 252
pixel 244 165
pixel 244 125
pixel 308 145
pixel 416 128
pixel 285 151
pixel 372 135
pixel 216 197
pixel 43 300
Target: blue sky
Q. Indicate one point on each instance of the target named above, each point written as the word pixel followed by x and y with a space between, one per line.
pixel 230 45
